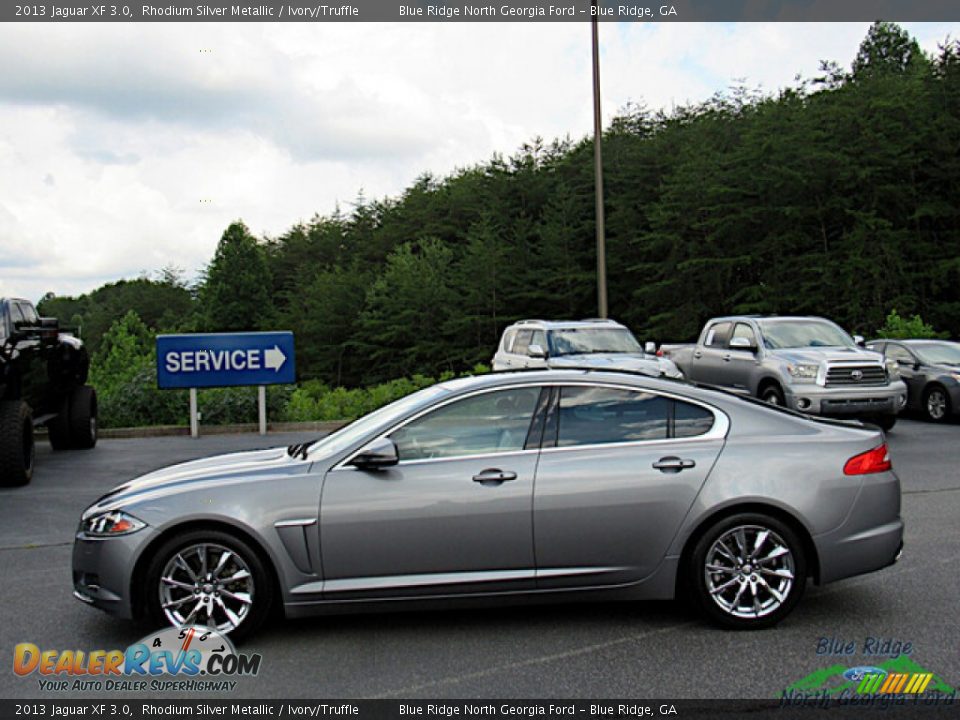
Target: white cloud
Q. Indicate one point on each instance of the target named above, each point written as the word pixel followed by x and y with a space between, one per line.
pixel 127 147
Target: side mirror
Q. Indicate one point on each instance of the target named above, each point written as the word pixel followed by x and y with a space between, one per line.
pixel 536 351
pixel 742 343
pixel 378 454
pixel 858 339
pixel 650 348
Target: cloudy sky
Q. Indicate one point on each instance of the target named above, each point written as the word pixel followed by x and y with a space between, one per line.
pixel 125 148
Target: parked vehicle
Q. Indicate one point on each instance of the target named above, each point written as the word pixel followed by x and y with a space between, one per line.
pixel 42 376
pixel 805 363
pixel 931 370
pixel 559 484
pixel 596 343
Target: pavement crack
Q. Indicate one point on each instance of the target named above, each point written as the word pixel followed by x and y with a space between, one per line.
pixel 928 492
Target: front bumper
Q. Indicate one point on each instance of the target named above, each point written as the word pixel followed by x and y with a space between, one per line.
pixel 103 570
pixel 871 536
pixel 847 401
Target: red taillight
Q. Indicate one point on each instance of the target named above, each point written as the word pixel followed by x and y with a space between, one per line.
pixel 872 461
pixel 659 353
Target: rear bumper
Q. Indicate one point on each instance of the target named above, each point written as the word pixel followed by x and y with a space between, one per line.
pixel 846 401
pixel 870 538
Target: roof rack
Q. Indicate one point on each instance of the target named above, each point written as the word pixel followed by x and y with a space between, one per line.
pixel 528 321
pixel 600 320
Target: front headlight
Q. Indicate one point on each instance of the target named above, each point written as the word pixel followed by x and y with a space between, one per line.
pixel 803 372
pixel 893 369
pixel 112 524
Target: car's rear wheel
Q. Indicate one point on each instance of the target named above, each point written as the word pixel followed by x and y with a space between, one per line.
pixel 16 443
pixel 210 578
pixel 83 417
pixel 936 404
pixel 748 571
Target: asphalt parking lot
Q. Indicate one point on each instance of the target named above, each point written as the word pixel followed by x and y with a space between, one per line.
pixel 646 650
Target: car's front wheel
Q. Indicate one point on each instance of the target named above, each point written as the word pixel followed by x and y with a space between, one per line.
pixel 748 571
pixel 936 404
pixel 210 578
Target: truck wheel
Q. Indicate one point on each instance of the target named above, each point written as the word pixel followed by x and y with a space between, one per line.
pixel 58 428
pixel 83 417
pixel 773 395
pixel 16 443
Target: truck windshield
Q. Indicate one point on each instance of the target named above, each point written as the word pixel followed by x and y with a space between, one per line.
pixel 577 341
pixel 939 353
pixel 780 334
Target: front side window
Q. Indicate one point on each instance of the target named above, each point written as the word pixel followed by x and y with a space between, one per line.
pixel 742 330
pixel 492 422
pixel 29 314
pixel 900 354
pixel 538 339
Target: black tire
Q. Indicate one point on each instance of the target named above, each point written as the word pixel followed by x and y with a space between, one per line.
pixel 936 404
pixel 884 422
pixel 58 428
pixel 16 443
pixel 773 394
pixel 771 610
pixel 262 592
pixel 83 417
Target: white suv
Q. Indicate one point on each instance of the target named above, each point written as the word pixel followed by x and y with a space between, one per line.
pixel 602 344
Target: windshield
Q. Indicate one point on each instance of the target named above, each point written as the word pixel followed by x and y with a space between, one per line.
pixel 340 440
pixel 576 341
pixel 938 353
pixel 780 334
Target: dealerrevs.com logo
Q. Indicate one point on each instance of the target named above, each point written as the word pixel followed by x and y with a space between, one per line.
pixel 194 658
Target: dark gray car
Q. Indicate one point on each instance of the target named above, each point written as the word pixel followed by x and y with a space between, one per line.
pixel 931 370
pixel 499 488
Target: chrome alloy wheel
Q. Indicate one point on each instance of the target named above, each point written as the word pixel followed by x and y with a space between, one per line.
pixel 206 584
pixel 936 404
pixel 749 571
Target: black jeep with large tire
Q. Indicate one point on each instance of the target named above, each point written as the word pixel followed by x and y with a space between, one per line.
pixel 42 382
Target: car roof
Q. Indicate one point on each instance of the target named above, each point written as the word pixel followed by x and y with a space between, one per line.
pixel 915 341
pixel 567 324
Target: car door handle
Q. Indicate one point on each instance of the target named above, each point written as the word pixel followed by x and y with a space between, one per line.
pixel 494 476
pixel 698 354
pixel 726 358
pixel 673 464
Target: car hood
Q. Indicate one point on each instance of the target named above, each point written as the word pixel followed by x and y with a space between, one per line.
pixel 233 467
pixel 645 364
pixel 829 354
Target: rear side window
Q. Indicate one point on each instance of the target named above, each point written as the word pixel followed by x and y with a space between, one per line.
pixel 594 416
pixel 690 420
pixel 599 415
pixel 508 339
pixel 718 335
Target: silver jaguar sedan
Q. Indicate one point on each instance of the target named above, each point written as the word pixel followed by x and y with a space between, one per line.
pixel 562 484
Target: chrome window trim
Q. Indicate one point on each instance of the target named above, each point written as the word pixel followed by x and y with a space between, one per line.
pixel 719 430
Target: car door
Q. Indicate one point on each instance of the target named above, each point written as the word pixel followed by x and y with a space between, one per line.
pixel 453 516
pixel 908 365
pixel 708 365
pixel 740 363
pixel 619 470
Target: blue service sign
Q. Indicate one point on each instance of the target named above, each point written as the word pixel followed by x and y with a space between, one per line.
pixel 222 359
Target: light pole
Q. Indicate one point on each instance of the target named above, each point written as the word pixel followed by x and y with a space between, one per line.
pixel 598 170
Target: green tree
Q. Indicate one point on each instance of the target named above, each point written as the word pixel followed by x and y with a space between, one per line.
pixel 902 328
pixel 236 294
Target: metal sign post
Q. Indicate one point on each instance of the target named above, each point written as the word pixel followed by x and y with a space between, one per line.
pixel 225 360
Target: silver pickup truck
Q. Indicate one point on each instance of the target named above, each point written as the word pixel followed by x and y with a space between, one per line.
pixel 806 363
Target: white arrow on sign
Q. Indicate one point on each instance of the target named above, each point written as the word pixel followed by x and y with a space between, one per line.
pixel 274 358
